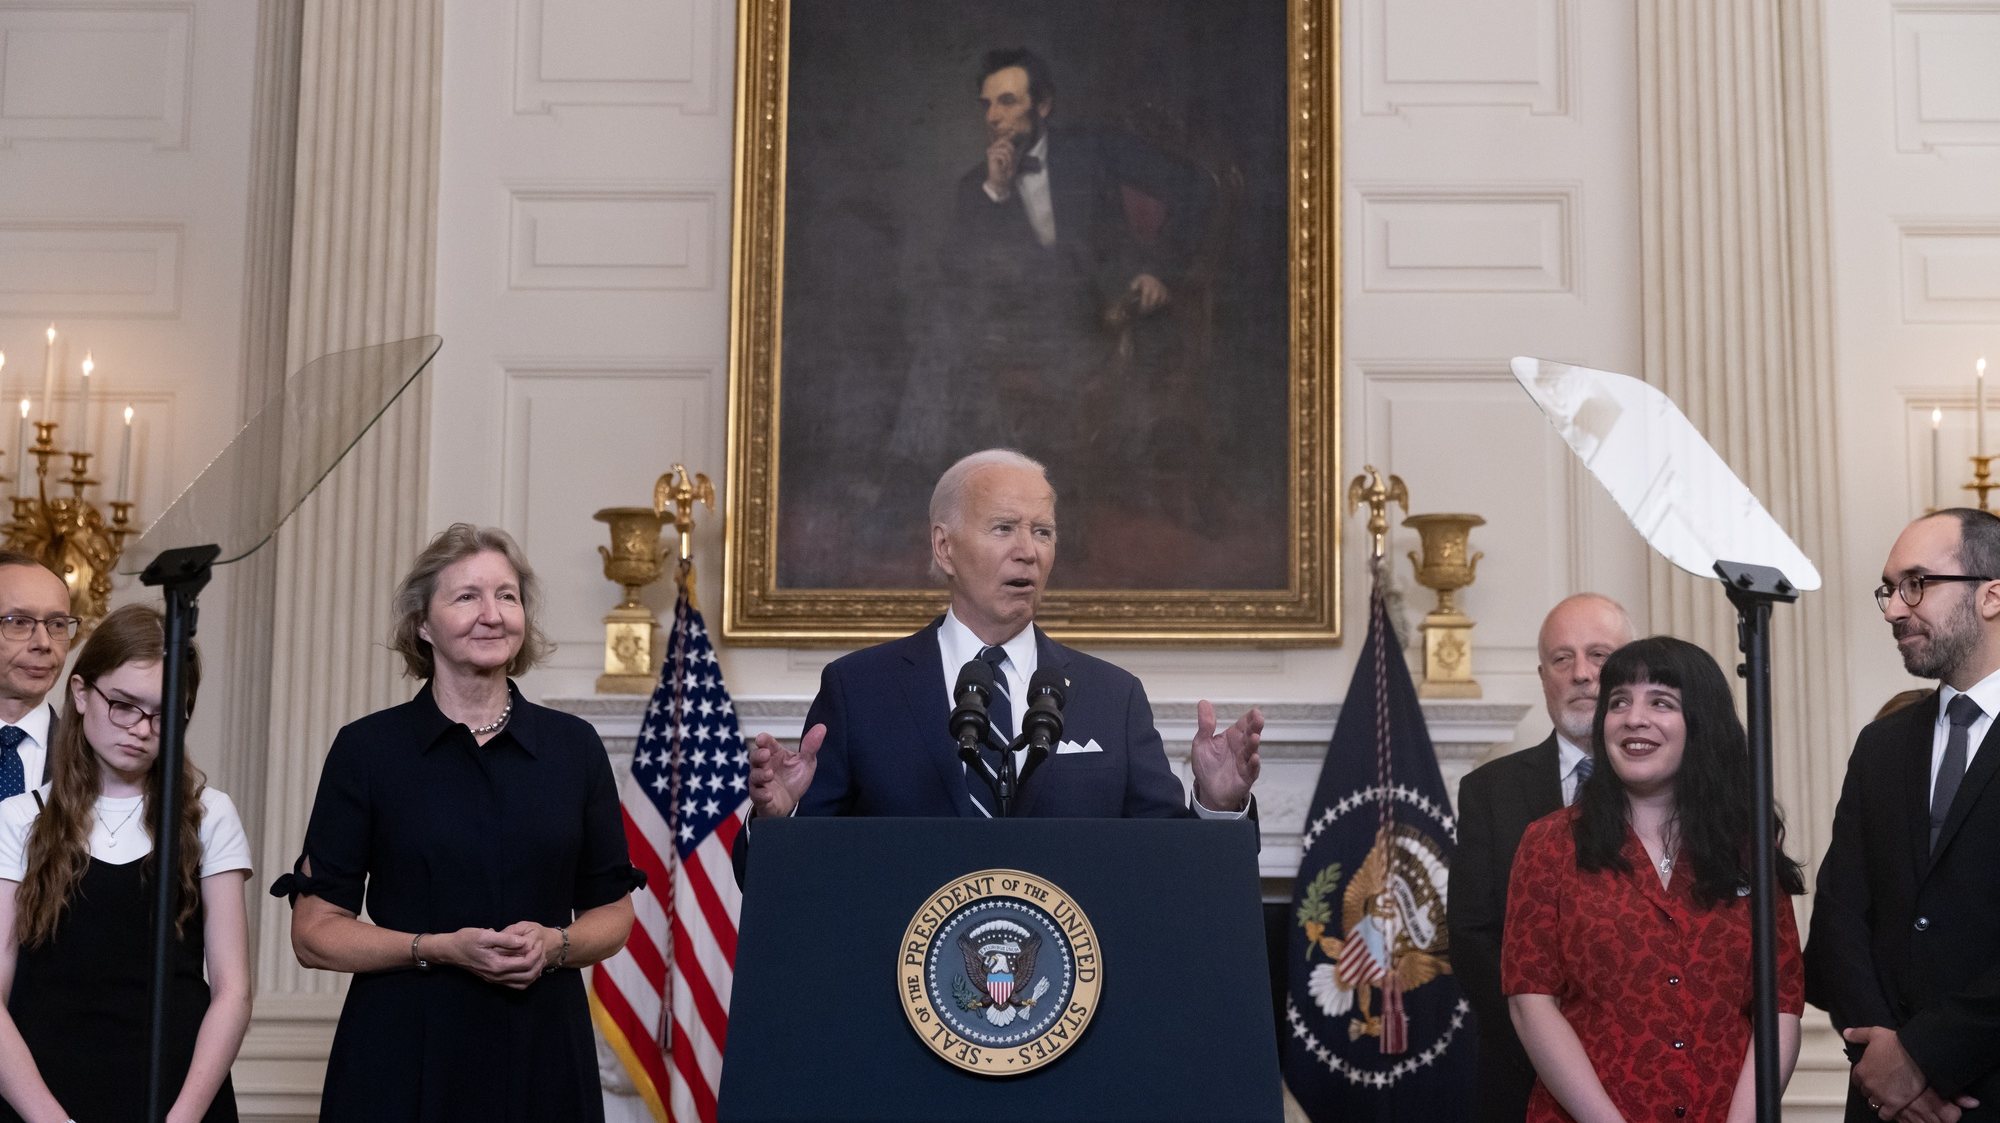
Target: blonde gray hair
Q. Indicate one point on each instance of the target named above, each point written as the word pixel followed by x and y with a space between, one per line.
pixel 412 602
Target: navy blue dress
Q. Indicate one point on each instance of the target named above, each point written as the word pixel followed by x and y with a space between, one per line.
pixel 434 832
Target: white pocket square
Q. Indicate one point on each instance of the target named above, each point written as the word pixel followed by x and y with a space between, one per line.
pixel 1090 746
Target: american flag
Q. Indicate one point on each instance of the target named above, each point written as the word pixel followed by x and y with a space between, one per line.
pixel 663 1003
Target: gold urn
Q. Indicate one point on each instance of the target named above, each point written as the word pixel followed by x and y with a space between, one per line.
pixel 632 647
pixel 1446 566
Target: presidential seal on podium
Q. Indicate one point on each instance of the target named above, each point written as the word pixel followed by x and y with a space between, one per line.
pixel 999 972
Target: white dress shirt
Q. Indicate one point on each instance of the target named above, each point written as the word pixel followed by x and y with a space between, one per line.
pixel 1568 755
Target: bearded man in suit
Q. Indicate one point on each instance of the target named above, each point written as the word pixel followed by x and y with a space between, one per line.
pixel 1496 802
pixel 877 740
pixel 1904 948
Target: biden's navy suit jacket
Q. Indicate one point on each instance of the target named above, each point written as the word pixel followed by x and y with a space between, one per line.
pixel 889 751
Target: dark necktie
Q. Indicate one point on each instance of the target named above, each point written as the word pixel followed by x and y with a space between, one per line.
pixel 1028 165
pixel 1001 710
pixel 1001 714
pixel 1582 770
pixel 13 776
pixel 1963 711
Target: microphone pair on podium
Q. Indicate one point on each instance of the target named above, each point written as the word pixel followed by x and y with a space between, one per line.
pixel 972 725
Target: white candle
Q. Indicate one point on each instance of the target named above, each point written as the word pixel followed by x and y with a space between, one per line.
pixel 1979 379
pixel 49 374
pixel 81 438
pixel 21 452
pixel 1937 463
pixel 125 460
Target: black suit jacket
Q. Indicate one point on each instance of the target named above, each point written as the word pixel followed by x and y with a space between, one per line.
pixel 1905 936
pixel 1496 802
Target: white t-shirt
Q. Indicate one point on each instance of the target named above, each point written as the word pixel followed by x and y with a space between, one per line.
pixel 117 836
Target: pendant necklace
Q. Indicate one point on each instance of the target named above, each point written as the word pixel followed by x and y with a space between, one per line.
pixel 113 831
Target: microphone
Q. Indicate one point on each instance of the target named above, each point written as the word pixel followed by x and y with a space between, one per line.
pixel 969 721
pixel 1043 722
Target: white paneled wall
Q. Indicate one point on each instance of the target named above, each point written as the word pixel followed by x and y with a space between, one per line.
pixel 1490 209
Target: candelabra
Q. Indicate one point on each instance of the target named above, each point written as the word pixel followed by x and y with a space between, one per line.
pixel 68 533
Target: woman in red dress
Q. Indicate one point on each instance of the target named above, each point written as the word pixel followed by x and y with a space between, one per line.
pixel 1626 959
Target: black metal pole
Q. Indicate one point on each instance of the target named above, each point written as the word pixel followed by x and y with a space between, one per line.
pixel 181 574
pixel 1753 589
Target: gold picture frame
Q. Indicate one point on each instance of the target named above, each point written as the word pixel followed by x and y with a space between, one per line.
pixel 810 113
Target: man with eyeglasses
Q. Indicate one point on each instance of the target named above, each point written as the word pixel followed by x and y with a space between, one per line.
pixel 35 630
pixel 1904 950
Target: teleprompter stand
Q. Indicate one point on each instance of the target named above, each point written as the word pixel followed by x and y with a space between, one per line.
pixel 1753 589
pixel 180 575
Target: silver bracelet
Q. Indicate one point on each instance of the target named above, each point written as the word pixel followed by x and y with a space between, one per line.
pixel 562 956
pixel 417 956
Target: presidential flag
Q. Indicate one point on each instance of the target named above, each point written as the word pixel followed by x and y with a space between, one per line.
pixel 662 1003
pixel 1376 1028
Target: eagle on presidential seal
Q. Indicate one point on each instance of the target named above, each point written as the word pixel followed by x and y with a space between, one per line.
pixel 1391 936
pixel 1000 963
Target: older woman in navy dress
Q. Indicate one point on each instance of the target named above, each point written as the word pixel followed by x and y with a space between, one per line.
pixel 483 835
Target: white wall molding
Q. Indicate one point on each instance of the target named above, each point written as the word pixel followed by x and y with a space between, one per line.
pixel 119 269
pixel 617 52
pixel 96 72
pixel 1950 270
pixel 1518 54
pixel 1946 55
pixel 615 237
pixel 1469 238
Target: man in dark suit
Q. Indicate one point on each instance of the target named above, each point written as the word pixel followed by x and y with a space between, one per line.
pixel 1059 267
pixel 877 742
pixel 1904 948
pixel 1496 802
pixel 35 631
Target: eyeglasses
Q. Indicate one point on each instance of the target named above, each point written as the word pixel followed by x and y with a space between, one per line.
pixel 1911 588
pixel 125 715
pixel 22 627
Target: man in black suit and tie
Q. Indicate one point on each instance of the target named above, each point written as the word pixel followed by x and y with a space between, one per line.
pixel 1496 802
pixel 1904 948
pixel 877 740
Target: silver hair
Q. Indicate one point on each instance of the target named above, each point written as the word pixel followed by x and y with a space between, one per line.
pixel 948 497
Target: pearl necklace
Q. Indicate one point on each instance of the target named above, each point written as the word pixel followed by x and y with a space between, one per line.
pixel 113 831
pixel 494 726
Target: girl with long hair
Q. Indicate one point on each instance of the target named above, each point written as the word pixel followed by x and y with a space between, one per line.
pixel 77 886
pixel 1627 951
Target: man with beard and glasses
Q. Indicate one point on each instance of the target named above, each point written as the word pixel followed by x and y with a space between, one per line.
pixel 1904 950
pixel 1496 802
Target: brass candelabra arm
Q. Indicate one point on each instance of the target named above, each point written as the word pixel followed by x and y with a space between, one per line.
pixel 1982 479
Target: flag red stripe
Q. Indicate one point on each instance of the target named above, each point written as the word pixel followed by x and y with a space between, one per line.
pixel 647 956
pixel 721 925
pixel 692 1079
pixel 688 972
pixel 643 854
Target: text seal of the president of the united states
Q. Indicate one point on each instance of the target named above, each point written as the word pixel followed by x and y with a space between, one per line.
pixel 999 972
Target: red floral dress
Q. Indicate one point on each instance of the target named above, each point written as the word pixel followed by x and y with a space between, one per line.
pixel 1657 988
